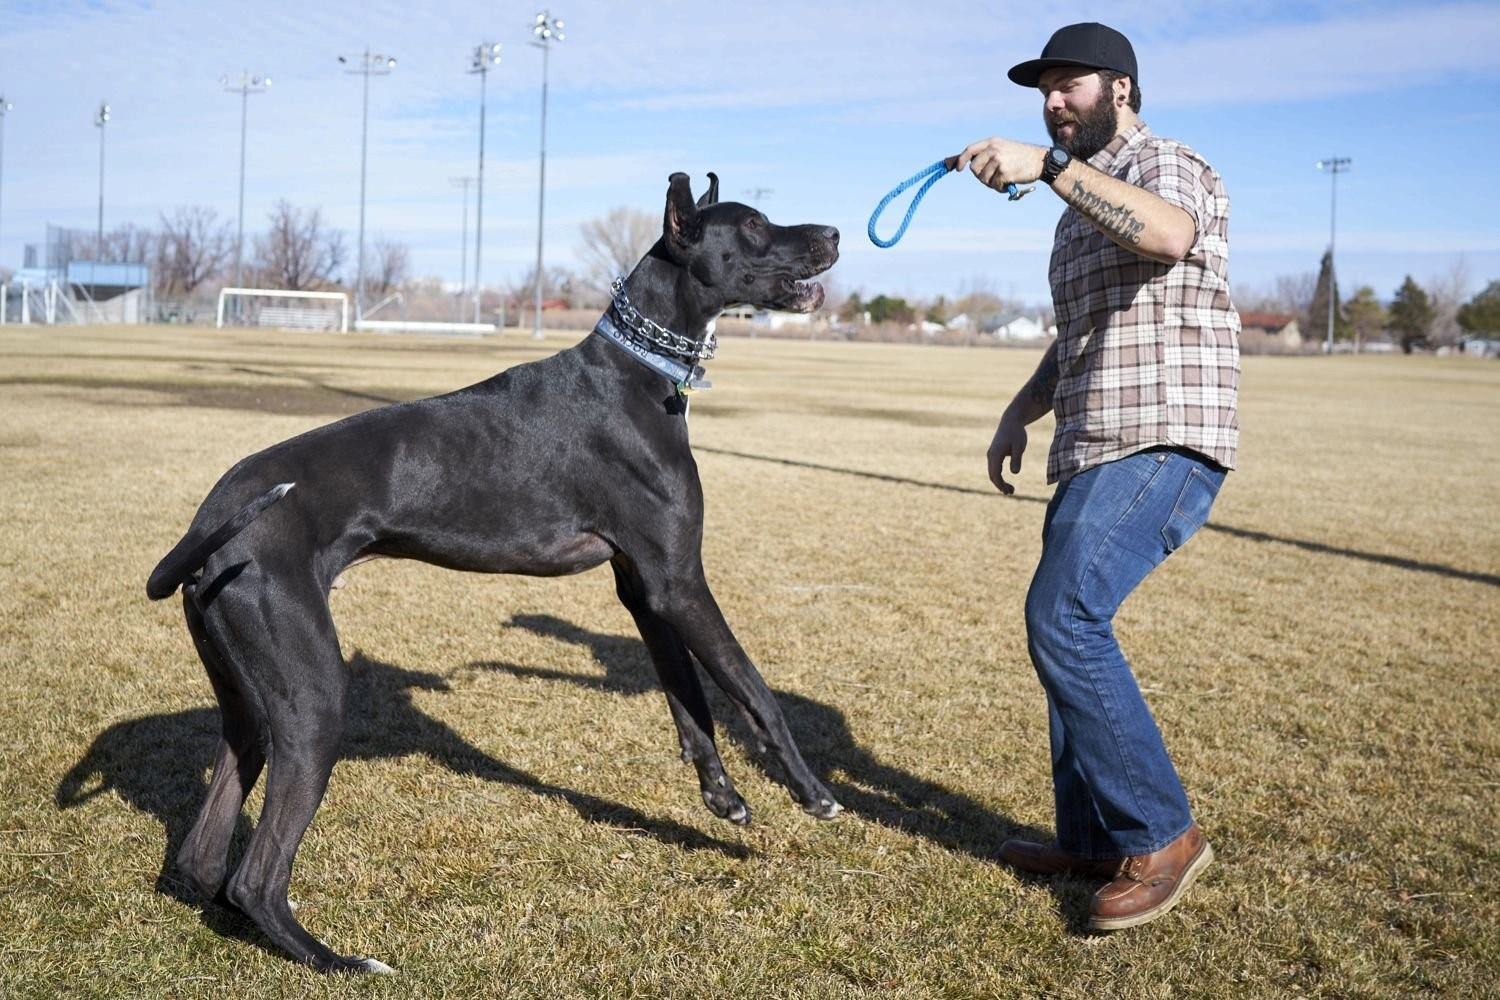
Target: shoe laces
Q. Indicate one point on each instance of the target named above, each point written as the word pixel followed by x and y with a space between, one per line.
pixel 1134 869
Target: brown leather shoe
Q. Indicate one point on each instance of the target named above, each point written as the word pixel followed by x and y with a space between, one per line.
pixel 1151 884
pixel 1047 859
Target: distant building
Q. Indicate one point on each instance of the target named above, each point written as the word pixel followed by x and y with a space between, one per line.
pixel 1016 326
pixel 1282 326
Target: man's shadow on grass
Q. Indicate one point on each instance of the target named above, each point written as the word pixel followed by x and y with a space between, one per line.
pixel 862 783
pixel 158 764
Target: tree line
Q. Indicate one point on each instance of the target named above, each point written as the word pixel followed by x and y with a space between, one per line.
pixel 191 252
pixel 1416 316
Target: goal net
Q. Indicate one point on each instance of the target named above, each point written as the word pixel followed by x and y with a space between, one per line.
pixel 283 309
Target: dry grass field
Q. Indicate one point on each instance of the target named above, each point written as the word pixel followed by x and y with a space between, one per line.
pixel 510 817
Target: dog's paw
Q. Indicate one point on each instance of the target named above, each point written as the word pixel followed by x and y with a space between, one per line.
pixel 823 808
pixel 353 965
pixel 727 804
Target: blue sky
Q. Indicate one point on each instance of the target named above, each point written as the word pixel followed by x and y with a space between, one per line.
pixel 827 105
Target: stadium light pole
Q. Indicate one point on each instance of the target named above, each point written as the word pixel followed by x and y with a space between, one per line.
pixel 366 64
pixel 246 86
pixel 1335 165
pixel 5 107
pixel 486 54
pixel 463 267
pixel 101 119
pixel 547 30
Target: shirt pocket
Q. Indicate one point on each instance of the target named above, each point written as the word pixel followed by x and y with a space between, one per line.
pixel 1191 509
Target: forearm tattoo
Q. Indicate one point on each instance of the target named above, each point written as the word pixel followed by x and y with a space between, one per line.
pixel 1043 385
pixel 1117 220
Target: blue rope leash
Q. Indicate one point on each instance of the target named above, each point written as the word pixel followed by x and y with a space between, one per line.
pixel 933 174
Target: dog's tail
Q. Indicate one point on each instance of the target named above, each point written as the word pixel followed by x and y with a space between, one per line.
pixel 189 555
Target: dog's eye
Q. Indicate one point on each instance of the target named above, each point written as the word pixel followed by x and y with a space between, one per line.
pixel 726 257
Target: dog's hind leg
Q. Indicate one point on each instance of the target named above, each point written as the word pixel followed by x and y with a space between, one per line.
pixel 302 685
pixel 203 856
pixel 681 597
pixel 695 725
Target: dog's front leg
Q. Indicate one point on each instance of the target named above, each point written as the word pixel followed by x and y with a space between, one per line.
pixel 683 600
pixel 690 712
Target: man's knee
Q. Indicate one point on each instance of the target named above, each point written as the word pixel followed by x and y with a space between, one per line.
pixel 1049 626
pixel 1063 626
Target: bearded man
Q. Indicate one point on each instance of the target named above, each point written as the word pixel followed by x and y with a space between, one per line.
pixel 1143 381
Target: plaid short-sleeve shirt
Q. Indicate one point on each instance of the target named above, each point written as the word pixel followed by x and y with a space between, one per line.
pixel 1148 353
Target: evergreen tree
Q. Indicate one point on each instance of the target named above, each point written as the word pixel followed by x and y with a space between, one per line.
pixel 1317 313
pixel 1480 316
pixel 1410 317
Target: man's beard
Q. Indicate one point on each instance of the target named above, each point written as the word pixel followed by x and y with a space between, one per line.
pixel 1093 129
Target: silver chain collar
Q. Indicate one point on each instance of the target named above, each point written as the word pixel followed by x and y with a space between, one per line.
pixel 646 329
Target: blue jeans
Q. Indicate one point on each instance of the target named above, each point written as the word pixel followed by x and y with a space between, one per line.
pixel 1117 793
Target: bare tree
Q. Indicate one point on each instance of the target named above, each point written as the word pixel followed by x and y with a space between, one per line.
pixel 127 244
pixel 1289 294
pixel 978 299
pixel 614 243
pixel 298 252
pixel 192 247
pixel 392 266
pixel 130 243
pixel 1448 292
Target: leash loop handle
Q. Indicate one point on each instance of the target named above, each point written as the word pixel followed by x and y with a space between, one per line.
pixel 933 174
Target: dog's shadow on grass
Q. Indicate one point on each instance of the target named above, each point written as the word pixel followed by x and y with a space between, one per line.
pixel 158 764
pixel 863 784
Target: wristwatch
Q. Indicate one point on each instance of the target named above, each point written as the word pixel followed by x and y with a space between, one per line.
pixel 1054 162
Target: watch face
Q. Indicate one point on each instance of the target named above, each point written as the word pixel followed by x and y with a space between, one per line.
pixel 1059 156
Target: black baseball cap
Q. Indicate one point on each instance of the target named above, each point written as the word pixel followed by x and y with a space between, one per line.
pixel 1091 45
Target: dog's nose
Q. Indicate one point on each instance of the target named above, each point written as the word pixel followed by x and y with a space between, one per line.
pixel 831 234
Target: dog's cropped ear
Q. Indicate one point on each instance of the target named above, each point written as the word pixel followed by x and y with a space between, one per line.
pixel 681 226
pixel 711 196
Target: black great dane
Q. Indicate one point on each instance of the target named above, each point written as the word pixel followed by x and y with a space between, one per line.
pixel 546 469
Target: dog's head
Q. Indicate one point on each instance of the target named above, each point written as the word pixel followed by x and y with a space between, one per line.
pixel 740 257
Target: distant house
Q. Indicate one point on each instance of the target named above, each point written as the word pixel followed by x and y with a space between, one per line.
pixel 1014 326
pixel 1282 326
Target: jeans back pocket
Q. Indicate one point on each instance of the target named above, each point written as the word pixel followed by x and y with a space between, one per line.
pixel 1193 504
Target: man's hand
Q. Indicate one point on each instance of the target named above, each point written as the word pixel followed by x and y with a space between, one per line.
pixel 998 162
pixel 1009 442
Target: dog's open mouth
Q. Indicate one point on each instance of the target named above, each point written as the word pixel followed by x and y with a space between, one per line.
pixel 801 296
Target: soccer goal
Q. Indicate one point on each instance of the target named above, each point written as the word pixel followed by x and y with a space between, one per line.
pixel 283 309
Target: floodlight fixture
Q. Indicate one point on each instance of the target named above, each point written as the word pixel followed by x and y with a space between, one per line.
pixel 247 84
pixel 547 30
pixel 486 55
pixel 1334 166
pixel 368 64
